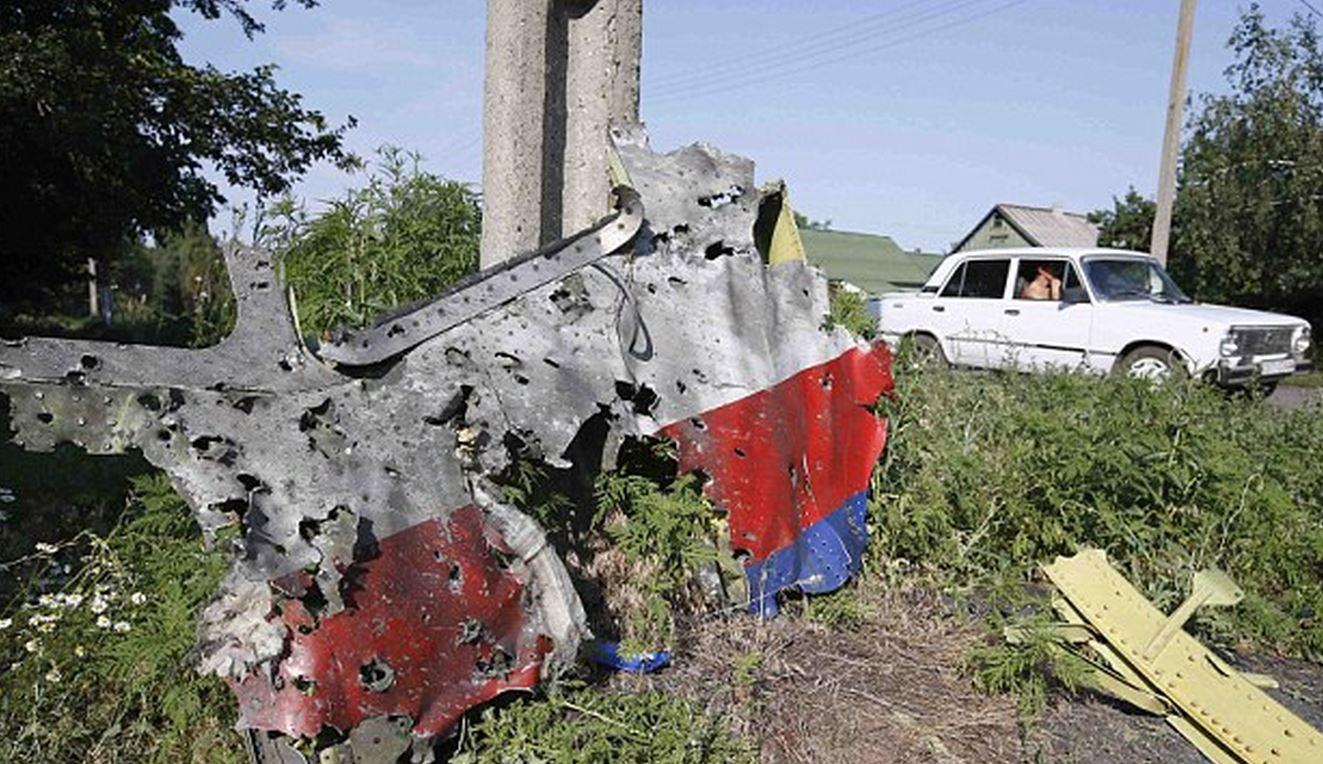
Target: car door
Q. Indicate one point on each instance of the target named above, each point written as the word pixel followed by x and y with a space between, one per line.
pixel 1048 333
pixel 971 307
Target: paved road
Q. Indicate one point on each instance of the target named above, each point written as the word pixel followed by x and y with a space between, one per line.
pixel 1289 397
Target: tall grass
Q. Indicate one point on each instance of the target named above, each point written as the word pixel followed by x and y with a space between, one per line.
pixel 401 237
pixel 988 475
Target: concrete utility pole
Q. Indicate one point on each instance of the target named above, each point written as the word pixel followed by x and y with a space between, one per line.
pixel 1171 139
pixel 560 73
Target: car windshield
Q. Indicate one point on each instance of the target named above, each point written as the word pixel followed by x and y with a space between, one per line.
pixel 1131 278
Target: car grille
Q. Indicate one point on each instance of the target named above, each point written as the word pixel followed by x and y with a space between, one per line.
pixel 1265 341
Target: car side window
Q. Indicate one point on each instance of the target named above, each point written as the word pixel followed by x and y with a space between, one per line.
pixel 955 283
pixel 1044 279
pixel 984 279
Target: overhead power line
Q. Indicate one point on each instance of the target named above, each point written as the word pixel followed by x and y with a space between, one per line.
pixel 1311 8
pixel 825 39
pixel 777 60
pixel 765 74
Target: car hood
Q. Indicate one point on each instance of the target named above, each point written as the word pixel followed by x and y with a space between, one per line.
pixel 1207 315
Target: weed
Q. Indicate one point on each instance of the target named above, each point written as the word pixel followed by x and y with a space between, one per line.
pixel 575 724
pixel 666 533
pixel 988 475
pixel 100 656
pixel 841 609
pixel 1028 667
pixel 400 238
pixel 849 310
pixel 746 668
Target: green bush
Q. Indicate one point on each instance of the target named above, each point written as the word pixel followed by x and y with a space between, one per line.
pixel 988 475
pixel 402 237
pixel 100 647
pixel 574 725
pixel 848 309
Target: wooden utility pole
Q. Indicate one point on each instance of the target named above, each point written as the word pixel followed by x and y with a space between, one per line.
pixel 560 73
pixel 1171 139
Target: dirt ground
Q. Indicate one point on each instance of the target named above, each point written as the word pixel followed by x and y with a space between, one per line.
pixel 1093 730
pixel 1290 397
pixel 896 690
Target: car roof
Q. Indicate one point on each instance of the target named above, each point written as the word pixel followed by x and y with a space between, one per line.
pixel 1074 253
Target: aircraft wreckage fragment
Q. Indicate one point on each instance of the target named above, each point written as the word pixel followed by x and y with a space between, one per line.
pixel 377 586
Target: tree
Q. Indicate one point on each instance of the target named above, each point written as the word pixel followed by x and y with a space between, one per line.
pixel 1129 224
pixel 803 223
pixel 1249 210
pixel 1248 223
pixel 107 133
pixel 402 237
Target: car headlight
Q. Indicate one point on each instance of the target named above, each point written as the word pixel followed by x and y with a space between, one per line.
pixel 1302 341
pixel 1230 345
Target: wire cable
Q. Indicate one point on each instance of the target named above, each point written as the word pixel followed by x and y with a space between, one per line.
pixel 775 62
pixel 805 44
pixel 764 75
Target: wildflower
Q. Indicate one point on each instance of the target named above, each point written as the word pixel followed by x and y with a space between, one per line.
pixel 80 651
pixel 98 605
pixel 5 623
pixel 47 600
pixel 53 676
pixel 32 645
pixel 103 622
pixel 45 548
pixel 73 600
pixel 122 627
pixel 138 598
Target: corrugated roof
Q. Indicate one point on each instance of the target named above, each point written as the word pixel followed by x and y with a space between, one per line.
pixel 1046 227
pixel 871 262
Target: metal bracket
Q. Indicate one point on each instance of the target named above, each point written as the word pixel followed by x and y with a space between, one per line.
pixel 480 292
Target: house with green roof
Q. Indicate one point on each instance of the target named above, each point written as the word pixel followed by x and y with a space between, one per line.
pixel 874 263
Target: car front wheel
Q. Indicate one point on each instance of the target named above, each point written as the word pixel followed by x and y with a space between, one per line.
pixel 924 350
pixel 1153 363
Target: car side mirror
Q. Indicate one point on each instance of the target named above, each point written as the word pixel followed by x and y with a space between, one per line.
pixel 1074 296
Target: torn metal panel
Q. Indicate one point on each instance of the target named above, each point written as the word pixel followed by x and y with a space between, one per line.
pixel 263 352
pixel 478 293
pixel 358 486
pixel 1157 666
pixel 437 626
pixel 792 465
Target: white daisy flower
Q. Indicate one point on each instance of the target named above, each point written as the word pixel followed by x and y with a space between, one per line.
pixel 103 622
pixel 121 627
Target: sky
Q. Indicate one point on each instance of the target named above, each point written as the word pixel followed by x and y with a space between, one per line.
pixel 909 118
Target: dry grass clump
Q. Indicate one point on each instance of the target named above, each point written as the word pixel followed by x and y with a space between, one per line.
pixel 888 689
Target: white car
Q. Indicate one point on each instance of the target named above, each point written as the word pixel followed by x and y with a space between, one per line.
pixel 1097 310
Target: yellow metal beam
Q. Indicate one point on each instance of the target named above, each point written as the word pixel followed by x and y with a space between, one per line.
pixel 1220 710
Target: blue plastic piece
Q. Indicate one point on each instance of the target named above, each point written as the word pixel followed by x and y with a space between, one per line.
pixel 608 654
pixel 822 559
